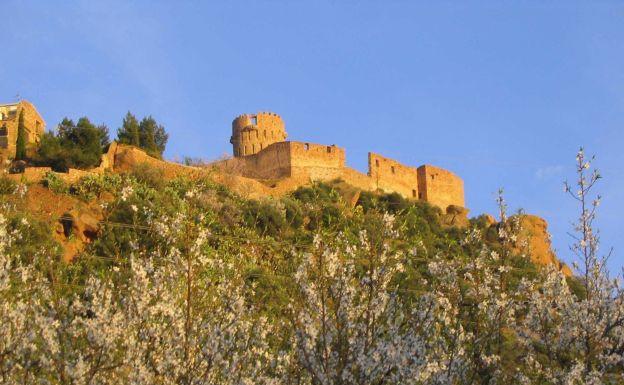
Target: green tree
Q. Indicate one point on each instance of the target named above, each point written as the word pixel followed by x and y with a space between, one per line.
pixel 153 137
pixel 77 145
pixel 20 145
pixel 51 153
pixel 146 134
pixel 128 133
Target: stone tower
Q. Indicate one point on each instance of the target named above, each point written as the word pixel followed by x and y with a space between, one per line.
pixel 253 133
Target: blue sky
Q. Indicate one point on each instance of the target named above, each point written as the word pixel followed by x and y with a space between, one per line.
pixel 502 93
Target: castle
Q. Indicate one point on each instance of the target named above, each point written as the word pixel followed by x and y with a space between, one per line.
pixel 9 120
pixel 262 152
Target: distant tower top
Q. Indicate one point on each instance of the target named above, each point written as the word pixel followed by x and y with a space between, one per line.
pixel 253 133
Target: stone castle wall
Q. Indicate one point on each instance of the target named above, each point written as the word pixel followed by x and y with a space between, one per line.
pixel 289 160
pixel 440 187
pixel 273 162
pixel 316 161
pixel 303 162
pixel 391 176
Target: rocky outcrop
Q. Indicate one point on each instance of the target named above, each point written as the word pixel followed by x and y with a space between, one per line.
pixel 535 233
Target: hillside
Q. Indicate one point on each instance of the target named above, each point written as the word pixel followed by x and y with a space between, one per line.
pixel 85 210
pixel 196 252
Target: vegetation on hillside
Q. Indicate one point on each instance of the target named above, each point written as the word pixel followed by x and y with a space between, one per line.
pixel 74 145
pixel 81 145
pixel 189 283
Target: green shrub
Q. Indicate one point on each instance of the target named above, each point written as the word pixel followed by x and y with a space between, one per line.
pixel 92 186
pixel 7 185
pixel 34 237
pixel 318 193
pixel 52 181
pixel 294 213
pixel 391 203
pixel 265 217
pixel 148 175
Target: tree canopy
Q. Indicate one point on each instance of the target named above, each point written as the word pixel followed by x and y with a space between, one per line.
pixel 146 134
pixel 78 145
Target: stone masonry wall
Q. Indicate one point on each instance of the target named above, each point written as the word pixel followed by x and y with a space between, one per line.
pixel 299 160
pixel 34 123
pixel 391 176
pixel 316 161
pixel 440 187
pixel 272 162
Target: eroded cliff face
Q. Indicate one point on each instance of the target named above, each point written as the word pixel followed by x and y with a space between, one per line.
pixel 535 233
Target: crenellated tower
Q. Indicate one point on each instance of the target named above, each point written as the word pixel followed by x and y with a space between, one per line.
pixel 253 133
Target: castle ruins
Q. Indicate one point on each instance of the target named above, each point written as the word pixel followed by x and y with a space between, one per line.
pixel 9 119
pixel 262 152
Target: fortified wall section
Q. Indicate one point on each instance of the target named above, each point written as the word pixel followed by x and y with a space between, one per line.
pixel 290 159
pixel 440 187
pixel 391 176
pixel 316 161
pixel 273 162
pixel 254 133
pixel 304 162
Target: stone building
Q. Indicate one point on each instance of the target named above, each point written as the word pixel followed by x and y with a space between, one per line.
pixel 9 119
pixel 261 152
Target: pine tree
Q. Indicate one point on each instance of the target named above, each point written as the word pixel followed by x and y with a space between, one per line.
pixel 129 131
pixel 153 136
pixel 160 138
pixel 20 145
